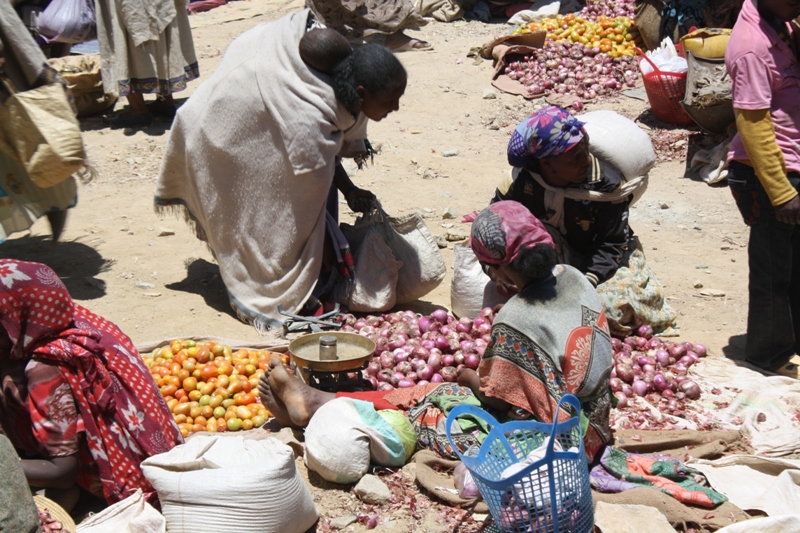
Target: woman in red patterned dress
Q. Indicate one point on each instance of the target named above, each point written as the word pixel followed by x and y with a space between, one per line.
pixel 77 401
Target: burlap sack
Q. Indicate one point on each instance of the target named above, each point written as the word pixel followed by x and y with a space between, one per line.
pixel 681 444
pixel 84 81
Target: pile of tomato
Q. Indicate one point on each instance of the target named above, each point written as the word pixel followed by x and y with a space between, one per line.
pixel 614 36
pixel 210 387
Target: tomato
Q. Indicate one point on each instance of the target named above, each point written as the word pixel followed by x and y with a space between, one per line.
pixel 181 395
pixel 234 424
pixel 166 353
pixel 247 424
pixel 194 412
pixel 240 367
pixel 244 399
pixel 223 380
pixel 222 424
pixel 189 364
pixel 225 369
pixel 189 384
pixel 180 357
pixel 181 409
pixel 235 386
pixel 217 349
pixel 208 371
pixel 199 419
pixel 205 388
pixel 203 355
pixel 247 386
pixel 198 427
pixel 168 390
pixel 219 412
pixel 215 401
pixel 207 411
pixel 258 421
pixel 179 419
pixel 243 412
pixel 182 374
pixel 195 394
pixel 263 365
pixel 211 426
pixel 172 403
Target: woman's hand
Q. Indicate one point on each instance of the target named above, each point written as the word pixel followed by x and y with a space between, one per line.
pixel 359 200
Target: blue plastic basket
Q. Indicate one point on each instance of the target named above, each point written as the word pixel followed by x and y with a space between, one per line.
pixel 551 495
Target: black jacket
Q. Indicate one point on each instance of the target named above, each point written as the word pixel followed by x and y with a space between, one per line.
pixel 597 230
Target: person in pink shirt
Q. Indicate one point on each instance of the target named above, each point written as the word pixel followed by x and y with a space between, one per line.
pixel 764 175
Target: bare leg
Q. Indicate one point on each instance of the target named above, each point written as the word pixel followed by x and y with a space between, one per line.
pixel 300 400
pixel 273 403
pixel 137 105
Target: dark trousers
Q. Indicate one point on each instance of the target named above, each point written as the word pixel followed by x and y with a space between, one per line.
pixel 773 314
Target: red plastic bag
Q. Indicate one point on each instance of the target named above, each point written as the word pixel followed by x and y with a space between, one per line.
pixel 68 21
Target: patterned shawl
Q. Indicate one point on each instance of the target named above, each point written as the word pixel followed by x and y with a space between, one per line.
pixel 125 417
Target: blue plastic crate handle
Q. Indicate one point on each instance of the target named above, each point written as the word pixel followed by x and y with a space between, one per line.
pixel 477 412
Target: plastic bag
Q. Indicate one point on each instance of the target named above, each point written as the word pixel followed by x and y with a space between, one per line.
pixel 465 485
pixel 666 59
pixel 68 21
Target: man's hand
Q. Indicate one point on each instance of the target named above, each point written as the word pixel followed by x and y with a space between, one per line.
pixel 359 200
pixel 789 213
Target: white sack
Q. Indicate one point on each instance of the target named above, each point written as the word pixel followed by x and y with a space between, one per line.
pixel 751 482
pixel 783 524
pixel 618 141
pixel 375 286
pixel 470 289
pixel 131 515
pixel 229 484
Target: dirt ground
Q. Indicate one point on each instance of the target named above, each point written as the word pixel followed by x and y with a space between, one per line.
pixel 154 279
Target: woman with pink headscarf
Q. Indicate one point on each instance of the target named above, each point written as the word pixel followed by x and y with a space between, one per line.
pixel 550 339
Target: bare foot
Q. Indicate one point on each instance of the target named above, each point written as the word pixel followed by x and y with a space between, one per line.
pixel 274 404
pixel 300 400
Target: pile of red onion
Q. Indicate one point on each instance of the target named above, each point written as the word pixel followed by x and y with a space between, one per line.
pixel 570 68
pixel 655 369
pixel 416 350
pixel 608 8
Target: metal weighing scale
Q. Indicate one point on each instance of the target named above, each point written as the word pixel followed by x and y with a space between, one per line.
pixel 323 360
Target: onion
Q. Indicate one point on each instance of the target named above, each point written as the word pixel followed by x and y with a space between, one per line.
pixel 448 360
pixel 458 357
pixel 385 386
pixel 425 373
pixel 405 384
pixel 424 324
pixel 387 360
pixel 472 361
pixel 435 360
pixel 399 355
pixel 622 400
pixel 639 388
pixel 422 382
pixel 449 373
pixel 624 372
pixel 662 357
pixel 416 364
pixel 421 353
pixel 700 350
pixel 404 367
pixel 616 344
pixel 436 378
pixel 396 377
pixel 384 376
pixel 441 343
pixel 373 368
pixel 374 382
pixel 440 315
pixel 660 382
pixel 690 389
pixel 467 346
pixel 359 324
pixel 645 331
pixel 428 344
pixel 616 384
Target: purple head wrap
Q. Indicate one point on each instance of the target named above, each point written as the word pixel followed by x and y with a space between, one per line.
pixel 549 132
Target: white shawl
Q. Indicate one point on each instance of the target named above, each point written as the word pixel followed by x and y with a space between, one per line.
pixel 554 196
pixel 251 156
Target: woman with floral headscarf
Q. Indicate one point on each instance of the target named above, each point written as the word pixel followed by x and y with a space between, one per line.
pixel 550 339
pixel 77 401
pixel 585 202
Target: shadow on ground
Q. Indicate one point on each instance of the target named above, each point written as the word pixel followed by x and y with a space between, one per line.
pixel 76 263
pixel 203 278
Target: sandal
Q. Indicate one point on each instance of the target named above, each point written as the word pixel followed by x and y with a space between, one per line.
pixel 162 110
pixel 414 44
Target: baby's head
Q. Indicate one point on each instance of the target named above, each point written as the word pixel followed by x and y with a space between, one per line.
pixel 323 48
